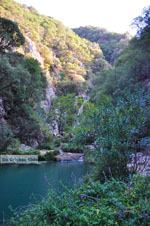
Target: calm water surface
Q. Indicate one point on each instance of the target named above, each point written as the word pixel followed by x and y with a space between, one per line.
pixel 19 182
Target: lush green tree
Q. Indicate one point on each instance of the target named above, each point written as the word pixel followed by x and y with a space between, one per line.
pixel 6 136
pixel 112 44
pixel 10 35
pixel 115 130
pixel 131 71
pixel 142 24
pixel 63 52
pixel 21 98
pixel 62 113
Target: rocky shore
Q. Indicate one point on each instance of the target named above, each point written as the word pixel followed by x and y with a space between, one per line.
pixel 69 157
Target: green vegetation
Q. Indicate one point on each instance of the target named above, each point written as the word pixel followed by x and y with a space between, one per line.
pixel 66 56
pixel 116 130
pixel 142 24
pixel 114 117
pixel 62 113
pixel 19 93
pixel 10 35
pixel 49 156
pixel 131 70
pixel 112 44
pixel 72 148
pixel 115 202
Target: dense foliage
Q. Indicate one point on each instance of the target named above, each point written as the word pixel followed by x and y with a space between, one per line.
pixel 131 70
pixel 116 130
pixel 124 203
pixel 62 113
pixel 111 43
pixel 10 35
pixel 115 121
pixel 23 88
pixel 66 56
pixel 142 24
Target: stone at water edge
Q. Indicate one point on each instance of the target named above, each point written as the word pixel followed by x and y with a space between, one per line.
pixel 69 156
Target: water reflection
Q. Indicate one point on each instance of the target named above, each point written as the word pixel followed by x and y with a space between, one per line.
pixel 19 182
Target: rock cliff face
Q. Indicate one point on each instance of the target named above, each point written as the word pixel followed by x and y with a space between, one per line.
pixel 2 113
pixel 69 63
pixel 30 48
pixel 63 54
pixel 49 95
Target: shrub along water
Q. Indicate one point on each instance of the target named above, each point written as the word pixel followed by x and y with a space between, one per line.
pixel 20 93
pixel 114 196
pixel 117 128
pixel 116 202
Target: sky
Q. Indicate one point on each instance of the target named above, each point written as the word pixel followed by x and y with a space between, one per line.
pixel 114 15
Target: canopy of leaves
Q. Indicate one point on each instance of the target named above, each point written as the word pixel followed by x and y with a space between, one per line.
pixel 62 50
pixel 116 130
pixel 112 44
pixel 142 24
pixel 22 85
pixel 62 112
pixel 10 35
pixel 132 69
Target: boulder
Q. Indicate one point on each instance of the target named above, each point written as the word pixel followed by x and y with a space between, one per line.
pixel 24 147
pixel 69 157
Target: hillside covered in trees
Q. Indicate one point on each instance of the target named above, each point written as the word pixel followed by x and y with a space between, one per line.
pixel 50 60
pixel 98 108
pixel 65 55
pixel 111 43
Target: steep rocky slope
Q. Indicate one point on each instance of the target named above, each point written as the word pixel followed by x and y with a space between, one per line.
pixel 69 63
pixel 64 55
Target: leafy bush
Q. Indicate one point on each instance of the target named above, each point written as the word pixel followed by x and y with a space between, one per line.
pixel 49 156
pixel 20 92
pixel 115 202
pixel 72 148
pixel 10 35
pixel 112 44
pixel 30 151
pixel 62 112
pixel 14 147
pixel 67 87
pixel 6 136
pixel 46 146
pixel 116 130
pixel 58 141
